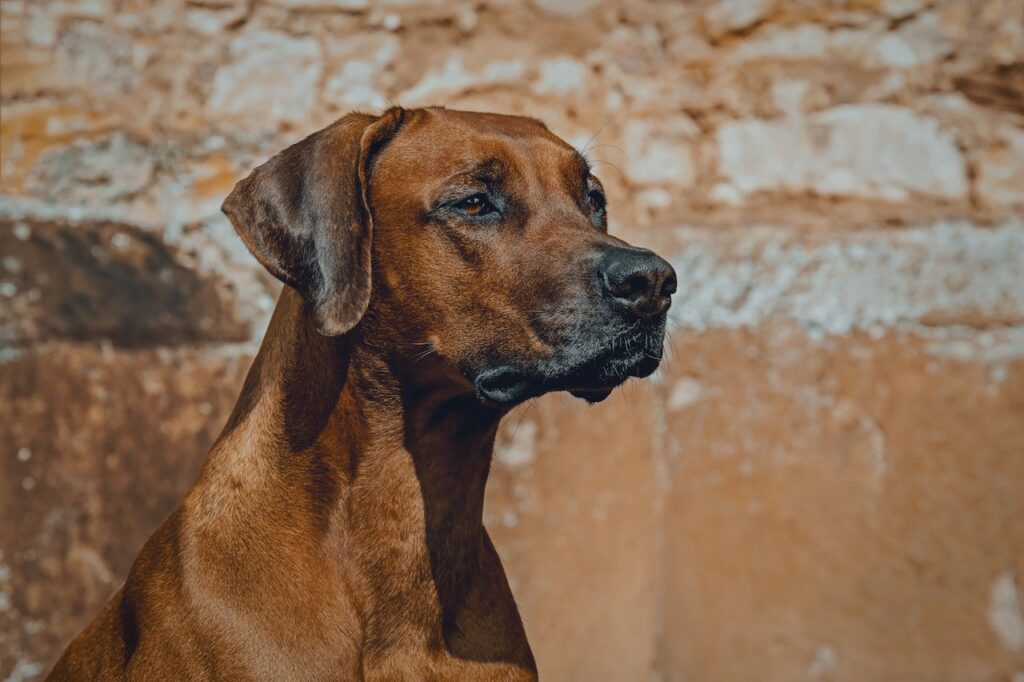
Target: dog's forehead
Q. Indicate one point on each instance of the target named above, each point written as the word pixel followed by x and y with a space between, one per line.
pixel 485 122
pixel 438 142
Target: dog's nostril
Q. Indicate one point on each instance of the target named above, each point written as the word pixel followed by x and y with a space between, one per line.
pixel 632 287
pixel 669 287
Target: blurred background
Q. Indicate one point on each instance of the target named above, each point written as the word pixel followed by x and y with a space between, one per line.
pixel 825 481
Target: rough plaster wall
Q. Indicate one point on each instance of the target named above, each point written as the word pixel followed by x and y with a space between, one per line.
pixel 826 479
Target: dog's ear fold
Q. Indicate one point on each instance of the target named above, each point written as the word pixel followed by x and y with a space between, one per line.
pixel 304 215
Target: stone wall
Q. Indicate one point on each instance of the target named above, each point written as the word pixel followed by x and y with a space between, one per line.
pixel 825 481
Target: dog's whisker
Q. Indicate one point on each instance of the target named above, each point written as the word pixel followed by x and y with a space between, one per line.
pixel 522 416
pixel 610 146
pixel 586 145
pixel 601 162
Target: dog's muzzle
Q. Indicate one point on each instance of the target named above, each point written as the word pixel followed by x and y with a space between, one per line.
pixel 623 339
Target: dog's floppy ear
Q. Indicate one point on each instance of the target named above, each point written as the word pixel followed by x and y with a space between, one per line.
pixel 304 215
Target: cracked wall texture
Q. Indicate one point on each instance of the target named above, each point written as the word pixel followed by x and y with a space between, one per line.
pixel 825 481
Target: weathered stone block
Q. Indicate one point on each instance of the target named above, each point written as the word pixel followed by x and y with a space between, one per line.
pixel 870 280
pixel 833 518
pixel 567 9
pixel 271 77
pixel 1000 171
pixel 358 78
pixel 101 281
pixel 93 58
pixel 562 76
pixel 869 151
pixel 734 15
pixel 212 21
pixel 660 151
pixel 919 42
pixel 100 445
pixel 95 172
pixel 346 5
pixel 453 77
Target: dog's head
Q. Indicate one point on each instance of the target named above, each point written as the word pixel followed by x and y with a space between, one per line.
pixel 477 241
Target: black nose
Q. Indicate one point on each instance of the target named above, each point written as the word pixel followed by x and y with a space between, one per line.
pixel 638 279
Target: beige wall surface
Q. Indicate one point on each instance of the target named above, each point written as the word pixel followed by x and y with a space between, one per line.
pixel 825 480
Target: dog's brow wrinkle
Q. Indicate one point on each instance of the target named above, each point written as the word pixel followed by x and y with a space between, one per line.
pixel 486 171
pixel 490 168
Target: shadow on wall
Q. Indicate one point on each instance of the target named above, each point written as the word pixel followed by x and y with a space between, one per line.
pixel 822 483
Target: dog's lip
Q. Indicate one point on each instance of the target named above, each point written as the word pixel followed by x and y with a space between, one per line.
pixel 592 395
pixel 509 384
pixel 505 385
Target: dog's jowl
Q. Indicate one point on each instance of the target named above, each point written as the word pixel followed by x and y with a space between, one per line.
pixel 441 268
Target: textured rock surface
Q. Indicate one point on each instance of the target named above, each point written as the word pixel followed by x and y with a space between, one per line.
pixel 270 77
pixel 824 480
pixel 875 151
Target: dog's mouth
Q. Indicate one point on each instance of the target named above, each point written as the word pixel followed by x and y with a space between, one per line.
pixel 592 378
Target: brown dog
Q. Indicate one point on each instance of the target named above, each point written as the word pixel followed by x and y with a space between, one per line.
pixel 335 532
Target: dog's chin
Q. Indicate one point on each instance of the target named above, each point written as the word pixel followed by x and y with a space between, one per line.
pixel 593 381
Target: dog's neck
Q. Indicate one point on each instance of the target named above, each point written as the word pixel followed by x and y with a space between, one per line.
pixel 384 454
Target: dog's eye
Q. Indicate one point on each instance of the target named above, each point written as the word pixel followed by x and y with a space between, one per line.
pixel 476 205
pixel 597 200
